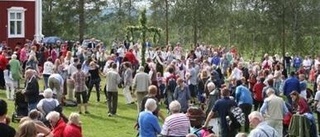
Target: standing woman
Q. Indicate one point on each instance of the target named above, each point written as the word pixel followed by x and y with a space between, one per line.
pixel 182 95
pixel 127 78
pixel 47 71
pixel 94 79
pixel 32 63
pixel 16 70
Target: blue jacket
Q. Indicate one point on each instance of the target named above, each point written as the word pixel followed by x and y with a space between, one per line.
pixel 243 95
pixel 291 84
pixel 149 126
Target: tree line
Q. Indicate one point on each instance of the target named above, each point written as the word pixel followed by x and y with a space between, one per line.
pixel 267 26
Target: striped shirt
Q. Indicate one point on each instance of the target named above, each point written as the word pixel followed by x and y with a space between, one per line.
pixel 176 125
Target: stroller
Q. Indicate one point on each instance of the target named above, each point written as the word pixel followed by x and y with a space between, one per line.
pixel 21 107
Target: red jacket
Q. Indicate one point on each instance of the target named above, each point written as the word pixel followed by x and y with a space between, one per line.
pixel 131 58
pixel 59 128
pixel 257 91
pixel 72 130
pixel 3 62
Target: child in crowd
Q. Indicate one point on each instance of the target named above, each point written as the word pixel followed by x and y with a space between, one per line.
pixel 9 83
pixel 161 86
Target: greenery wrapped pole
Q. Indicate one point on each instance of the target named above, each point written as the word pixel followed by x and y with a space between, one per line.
pixel 143 28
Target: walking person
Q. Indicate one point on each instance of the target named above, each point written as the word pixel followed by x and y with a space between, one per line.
pixel 244 99
pixel 80 89
pixel 127 78
pixel 274 109
pixel 141 83
pixel 9 83
pixel 113 79
pixel 15 69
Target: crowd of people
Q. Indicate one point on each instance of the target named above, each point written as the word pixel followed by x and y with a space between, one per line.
pixel 214 79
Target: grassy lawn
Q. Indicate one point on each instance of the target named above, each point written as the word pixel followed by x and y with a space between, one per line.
pixel 98 124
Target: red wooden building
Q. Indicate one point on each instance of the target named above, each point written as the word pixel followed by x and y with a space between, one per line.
pixel 17 21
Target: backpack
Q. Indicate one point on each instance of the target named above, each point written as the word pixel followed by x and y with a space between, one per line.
pixel 236 117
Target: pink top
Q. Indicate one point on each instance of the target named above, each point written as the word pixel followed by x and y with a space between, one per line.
pixel 23 55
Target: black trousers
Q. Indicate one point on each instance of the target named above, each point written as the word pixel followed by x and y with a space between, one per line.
pixel 257 104
pixel 96 84
pixel 2 82
pixel 246 109
pixel 112 102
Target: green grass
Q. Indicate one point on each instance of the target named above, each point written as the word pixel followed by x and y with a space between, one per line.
pixel 98 124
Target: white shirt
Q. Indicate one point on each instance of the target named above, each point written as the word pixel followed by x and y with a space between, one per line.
pixel 7 76
pixel 236 74
pixel 48 68
pixel 306 63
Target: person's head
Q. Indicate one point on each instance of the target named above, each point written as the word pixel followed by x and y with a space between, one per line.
pixel 204 74
pixel 180 81
pixel 151 105
pixel 29 73
pixel 3 108
pixel 79 66
pixel 174 107
pixel 48 93
pixel 238 82
pixel 141 69
pixel 53 118
pixel 13 56
pixel 294 95
pixel 292 74
pixel 74 118
pixel 301 77
pixel 34 114
pixel 211 86
pixel 171 70
pixel 114 66
pixel 152 90
pixel 27 129
pixel 49 59
pixel 225 92
pixel 270 91
pixel 255 118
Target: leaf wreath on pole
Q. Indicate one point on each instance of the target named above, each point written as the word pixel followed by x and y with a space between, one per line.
pixel 143 28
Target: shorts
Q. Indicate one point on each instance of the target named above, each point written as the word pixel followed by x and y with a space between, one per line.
pixel 84 96
pixel 193 90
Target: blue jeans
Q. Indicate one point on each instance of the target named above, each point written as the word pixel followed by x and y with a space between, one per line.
pixel 32 106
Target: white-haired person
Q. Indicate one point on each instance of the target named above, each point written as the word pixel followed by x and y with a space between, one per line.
pixel 48 103
pixel 73 128
pixel 177 124
pixel 260 127
pixel 141 82
pixel 57 123
pixel 16 70
pixel 149 126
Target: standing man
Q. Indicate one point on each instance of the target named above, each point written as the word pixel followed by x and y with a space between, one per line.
pixel 291 84
pixel 261 128
pixel 113 79
pixel 141 82
pixel 274 109
pixel 72 68
pixel 80 89
pixel 31 91
pixel 221 108
pixel 245 101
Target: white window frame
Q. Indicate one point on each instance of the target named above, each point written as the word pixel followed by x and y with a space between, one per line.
pixel 16 10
